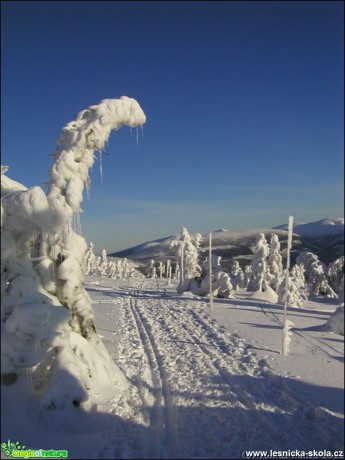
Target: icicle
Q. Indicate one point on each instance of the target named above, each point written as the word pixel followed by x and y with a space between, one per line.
pixel 88 187
pixel 137 135
pixel 142 132
pixel 101 166
pixel 28 372
pixel 79 223
pixel 76 224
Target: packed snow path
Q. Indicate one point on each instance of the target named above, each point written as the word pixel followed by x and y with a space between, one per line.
pixel 202 392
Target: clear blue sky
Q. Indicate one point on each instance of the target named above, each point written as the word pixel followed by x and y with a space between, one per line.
pixel 244 104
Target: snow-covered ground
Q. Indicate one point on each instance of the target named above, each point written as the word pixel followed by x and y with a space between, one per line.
pixel 200 384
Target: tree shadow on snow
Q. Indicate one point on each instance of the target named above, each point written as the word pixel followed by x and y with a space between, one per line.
pixel 220 419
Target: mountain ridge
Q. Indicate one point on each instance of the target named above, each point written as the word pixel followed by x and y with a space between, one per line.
pixel 324 237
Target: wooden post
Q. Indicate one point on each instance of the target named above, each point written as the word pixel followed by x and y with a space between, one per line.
pixel 285 324
pixel 182 265
pixel 210 270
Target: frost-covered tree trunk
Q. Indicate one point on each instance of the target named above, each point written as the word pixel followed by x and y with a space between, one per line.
pixel 287 324
pixel 47 318
pixel 151 271
pixel 90 261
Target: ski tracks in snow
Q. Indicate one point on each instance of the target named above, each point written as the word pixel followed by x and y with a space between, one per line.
pixel 203 392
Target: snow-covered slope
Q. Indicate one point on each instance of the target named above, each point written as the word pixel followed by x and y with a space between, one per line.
pixel 321 227
pixel 325 238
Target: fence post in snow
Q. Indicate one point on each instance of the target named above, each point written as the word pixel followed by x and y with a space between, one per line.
pixel 210 270
pixel 182 266
pixel 286 323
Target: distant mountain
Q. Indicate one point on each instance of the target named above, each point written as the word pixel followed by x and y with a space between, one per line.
pixel 324 238
pixel 319 228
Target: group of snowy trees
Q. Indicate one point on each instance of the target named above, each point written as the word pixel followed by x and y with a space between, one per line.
pixel 194 275
pixel 47 321
pixel 163 270
pixel 102 266
pixel 308 276
pixel 266 273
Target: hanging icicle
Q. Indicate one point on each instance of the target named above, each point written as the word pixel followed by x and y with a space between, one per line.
pixel 101 166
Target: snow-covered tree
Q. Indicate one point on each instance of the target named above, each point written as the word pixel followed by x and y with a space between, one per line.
pixel 294 293
pixel 91 261
pixel 335 322
pixel 248 276
pixel 237 276
pixel 103 265
pixel 186 251
pixel 161 269
pixel 275 262
pixel 151 271
pixel 177 274
pixel 315 275
pixel 307 259
pixel 47 319
pixel 168 270
pixel 335 275
pixel 260 268
pixel 221 282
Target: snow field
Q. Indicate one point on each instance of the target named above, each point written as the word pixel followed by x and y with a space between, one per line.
pixel 204 392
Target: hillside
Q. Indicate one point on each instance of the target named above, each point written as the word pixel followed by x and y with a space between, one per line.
pixel 324 238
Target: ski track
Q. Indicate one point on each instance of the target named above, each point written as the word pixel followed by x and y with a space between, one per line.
pixel 203 392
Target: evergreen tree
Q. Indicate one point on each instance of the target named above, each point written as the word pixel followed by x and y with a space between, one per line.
pixel 315 275
pixel 248 276
pixel 187 252
pixel 221 282
pixel 335 275
pixel 90 260
pixel 151 270
pixel 275 262
pixel 237 276
pixel 260 268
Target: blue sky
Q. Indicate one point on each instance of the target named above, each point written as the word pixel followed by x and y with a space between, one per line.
pixel 244 104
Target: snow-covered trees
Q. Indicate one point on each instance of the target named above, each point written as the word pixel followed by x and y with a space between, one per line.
pixel 275 262
pixel 315 274
pixel 237 276
pixel 151 271
pixel 221 282
pixel 47 318
pixel 293 293
pixel 335 276
pixel 105 266
pixel 261 276
pixel 91 261
pixel 186 251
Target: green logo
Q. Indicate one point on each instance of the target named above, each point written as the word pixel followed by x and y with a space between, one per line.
pixel 9 447
pixel 17 450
